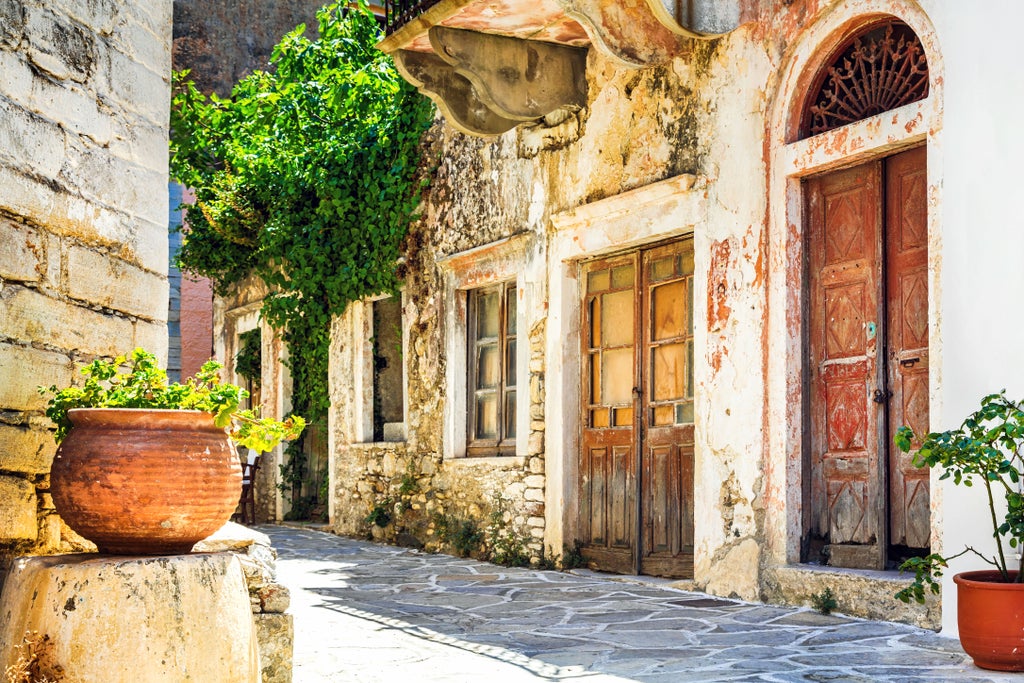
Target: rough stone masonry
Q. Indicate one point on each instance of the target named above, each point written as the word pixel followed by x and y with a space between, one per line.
pixel 84 102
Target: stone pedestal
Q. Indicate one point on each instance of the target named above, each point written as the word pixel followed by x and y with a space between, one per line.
pixel 106 619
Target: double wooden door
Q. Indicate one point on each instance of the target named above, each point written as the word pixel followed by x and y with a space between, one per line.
pixel 636 462
pixel 868 362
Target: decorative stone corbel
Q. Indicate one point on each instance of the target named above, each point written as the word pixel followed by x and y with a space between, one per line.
pixel 453 94
pixel 640 33
pixel 522 80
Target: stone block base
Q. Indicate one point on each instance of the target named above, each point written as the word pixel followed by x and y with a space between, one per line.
pixel 106 619
pixel 275 633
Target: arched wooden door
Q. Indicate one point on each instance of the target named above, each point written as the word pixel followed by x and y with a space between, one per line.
pixel 636 464
pixel 867 361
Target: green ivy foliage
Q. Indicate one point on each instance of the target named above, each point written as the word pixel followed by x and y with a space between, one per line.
pixel 305 177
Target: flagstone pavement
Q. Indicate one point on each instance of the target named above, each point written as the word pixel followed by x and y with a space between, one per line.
pixel 376 614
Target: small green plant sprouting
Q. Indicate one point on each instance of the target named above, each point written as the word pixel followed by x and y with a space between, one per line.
pixel 136 380
pixel 825 601
pixel 986 448
pixel 572 558
pixel 380 514
pixel 409 483
pixel 506 547
pixel 463 535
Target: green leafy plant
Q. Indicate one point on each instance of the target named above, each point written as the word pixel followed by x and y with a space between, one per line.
pixel 249 359
pixel 985 450
pixel 825 601
pixel 572 557
pixel 380 514
pixel 307 177
pixel 463 535
pixel 505 546
pixel 137 381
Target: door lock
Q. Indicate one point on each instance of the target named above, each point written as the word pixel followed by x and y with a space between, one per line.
pixel 881 396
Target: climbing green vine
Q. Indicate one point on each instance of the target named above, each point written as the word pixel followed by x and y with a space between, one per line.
pixel 306 177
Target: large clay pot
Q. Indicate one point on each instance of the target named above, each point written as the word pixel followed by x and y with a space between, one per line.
pixel 145 482
pixel 990 616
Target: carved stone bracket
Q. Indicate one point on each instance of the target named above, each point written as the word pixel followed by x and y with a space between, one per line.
pixel 626 30
pixel 486 79
pixel 518 79
pixel 453 94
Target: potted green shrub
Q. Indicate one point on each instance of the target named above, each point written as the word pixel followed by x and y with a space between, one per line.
pixel 144 465
pixel 985 450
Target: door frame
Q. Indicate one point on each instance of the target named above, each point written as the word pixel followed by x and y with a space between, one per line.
pixel 668 209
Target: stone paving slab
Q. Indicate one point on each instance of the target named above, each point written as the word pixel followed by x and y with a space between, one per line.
pixel 375 613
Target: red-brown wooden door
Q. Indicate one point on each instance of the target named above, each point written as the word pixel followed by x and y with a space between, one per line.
pixel 868 360
pixel 636 464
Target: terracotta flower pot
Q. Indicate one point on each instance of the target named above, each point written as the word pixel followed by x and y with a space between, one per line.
pixel 145 482
pixel 990 616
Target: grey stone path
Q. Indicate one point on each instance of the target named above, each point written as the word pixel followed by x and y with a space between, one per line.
pixel 368 613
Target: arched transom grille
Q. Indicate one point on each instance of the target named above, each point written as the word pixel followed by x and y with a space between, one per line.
pixel 881 68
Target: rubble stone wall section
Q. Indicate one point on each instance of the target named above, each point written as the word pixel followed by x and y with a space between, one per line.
pixel 84 97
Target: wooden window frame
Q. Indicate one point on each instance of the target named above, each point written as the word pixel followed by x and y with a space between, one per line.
pixel 504 444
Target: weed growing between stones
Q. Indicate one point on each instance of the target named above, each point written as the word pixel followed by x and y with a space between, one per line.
pixel 825 601
pixel 380 514
pixel 463 535
pixel 505 546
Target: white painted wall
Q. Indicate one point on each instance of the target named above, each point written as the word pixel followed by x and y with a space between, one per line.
pixel 982 269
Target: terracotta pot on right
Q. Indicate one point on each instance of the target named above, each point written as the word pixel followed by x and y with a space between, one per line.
pixel 990 615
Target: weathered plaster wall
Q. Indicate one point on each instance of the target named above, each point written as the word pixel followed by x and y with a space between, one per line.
pixel 722 113
pixel 83 216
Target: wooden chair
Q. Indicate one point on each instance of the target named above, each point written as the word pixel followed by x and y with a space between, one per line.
pixel 246 513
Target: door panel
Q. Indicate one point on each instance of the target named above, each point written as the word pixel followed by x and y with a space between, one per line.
pixel 907 282
pixel 844 241
pixel 867 359
pixel 636 493
pixel 667 448
pixel 608 468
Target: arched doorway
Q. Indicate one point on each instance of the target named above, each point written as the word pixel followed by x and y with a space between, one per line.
pixel 854 215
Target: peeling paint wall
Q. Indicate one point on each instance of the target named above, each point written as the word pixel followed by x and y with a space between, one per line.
pixel 610 178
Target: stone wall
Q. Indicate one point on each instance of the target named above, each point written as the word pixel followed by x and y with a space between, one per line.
pixel 83 215
pixel 409 492
pixel 221 41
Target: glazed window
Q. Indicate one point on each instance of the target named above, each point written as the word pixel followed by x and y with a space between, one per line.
pixel 491 364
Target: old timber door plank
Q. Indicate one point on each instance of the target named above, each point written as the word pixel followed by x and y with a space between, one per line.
pixel 907 348
pixel 667 414
pixel 844 260
pixel 608 469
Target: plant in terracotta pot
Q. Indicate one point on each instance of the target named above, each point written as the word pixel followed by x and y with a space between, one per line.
pixel 144 465
pixel 985 450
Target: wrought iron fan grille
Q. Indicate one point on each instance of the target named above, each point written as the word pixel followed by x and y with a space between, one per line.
pixel 880 69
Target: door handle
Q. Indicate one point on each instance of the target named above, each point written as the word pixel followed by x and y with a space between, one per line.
pixel 881 396
pixel 910 362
